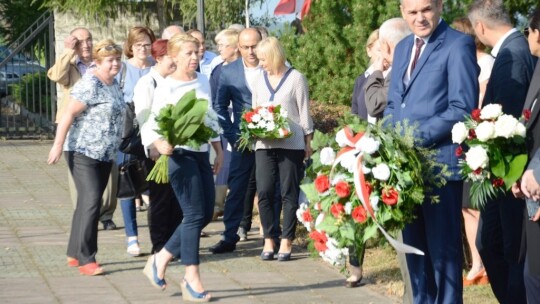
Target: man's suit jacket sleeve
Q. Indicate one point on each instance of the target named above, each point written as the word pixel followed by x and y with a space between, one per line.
pixel 462 91
pixel 223 99
pixel 534 165
pixel 59 72
pixel 376 89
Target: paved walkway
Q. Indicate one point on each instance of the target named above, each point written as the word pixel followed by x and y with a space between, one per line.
pixel 35 215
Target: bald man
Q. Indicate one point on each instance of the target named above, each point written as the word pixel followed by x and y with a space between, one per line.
pixel 171 30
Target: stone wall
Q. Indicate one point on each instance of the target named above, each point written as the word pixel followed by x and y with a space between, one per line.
pixel 115 29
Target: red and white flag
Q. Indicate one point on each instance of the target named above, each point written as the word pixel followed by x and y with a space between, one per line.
pixel 299 7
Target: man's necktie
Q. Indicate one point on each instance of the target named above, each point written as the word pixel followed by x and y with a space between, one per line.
pixel 419 43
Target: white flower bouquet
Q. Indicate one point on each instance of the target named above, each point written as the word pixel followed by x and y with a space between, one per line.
pixel 496 151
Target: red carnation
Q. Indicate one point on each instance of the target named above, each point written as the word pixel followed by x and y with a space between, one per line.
pixel 369 188
pixel 337 209
pixel 390 196
pixel 271 109
pixel 477 171
pixel 475 114
pixel 249 116
pixel 322 183
pixel 359 214
pixel 459 151
pixel 527 114
pixel 498 182
pixel 343 189
pixel 306 216
pixel 320 240
pixel 472 134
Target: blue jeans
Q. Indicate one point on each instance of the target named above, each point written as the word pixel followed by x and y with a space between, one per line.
pixel 192 180
pixel 239 172
pixel 128 205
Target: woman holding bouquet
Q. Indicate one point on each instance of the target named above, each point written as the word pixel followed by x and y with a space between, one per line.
pixel 94 119
pixel 283 158
pixel 190 173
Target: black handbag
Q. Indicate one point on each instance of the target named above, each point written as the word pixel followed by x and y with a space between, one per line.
pixel 131 142
pixel 132 179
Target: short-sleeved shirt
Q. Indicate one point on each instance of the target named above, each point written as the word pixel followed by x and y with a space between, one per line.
pixel 96 132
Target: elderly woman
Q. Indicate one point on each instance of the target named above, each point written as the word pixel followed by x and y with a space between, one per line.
pixel 227 42
pixel 281 158
pixel 164 213
pixel 89 133
pixel 137 49
pixel 190 173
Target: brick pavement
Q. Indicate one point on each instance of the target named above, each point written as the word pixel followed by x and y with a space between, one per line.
pixel 35 215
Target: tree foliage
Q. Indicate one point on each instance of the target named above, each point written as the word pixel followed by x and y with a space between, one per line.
pixel 16 16
pixel 218 13
pixel 331 53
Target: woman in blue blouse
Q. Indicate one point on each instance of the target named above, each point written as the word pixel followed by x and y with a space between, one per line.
pixel 138 51
pixel 89 134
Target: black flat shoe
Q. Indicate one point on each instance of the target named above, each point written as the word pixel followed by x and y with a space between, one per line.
pixel 283 257
pixel 222 247
pixel 353 284
pixel 267 255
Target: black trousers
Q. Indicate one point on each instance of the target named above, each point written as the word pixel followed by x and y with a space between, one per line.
pixel 499 242
pixel 90 177
pixel 164 213
pixel 287 164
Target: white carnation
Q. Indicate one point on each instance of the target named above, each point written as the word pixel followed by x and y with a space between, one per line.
pixel 520 130
pixel 327 156
pixel 505 126
pixel 256 118
pixel 459 133
pixel 270 126
pixel 367 144
pixel 348 208
pixel 283 112
pixel 319 220
pixel 338 177
pixel 348 161
pixel 485 131
pixel 491 111
pixel 251 126
pixel 374 201
pixel 381 172
pixel 476 157
pixel 341 138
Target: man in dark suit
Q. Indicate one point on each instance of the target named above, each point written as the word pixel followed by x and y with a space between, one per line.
pixel 234 87
pixel 501 220
pixel 435 84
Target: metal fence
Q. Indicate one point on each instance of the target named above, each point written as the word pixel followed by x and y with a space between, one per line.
pixel 27 96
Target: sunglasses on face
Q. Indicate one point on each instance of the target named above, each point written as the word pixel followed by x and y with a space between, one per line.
pixel 109 48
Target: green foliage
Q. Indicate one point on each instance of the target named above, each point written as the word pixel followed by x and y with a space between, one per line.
pixel 31 92
pixel 17 15
pixel 332 51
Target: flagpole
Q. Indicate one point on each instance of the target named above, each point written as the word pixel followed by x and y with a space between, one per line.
pixel 247 13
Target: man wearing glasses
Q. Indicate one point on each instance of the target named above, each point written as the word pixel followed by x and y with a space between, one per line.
pixel 69 68
pixel 235 87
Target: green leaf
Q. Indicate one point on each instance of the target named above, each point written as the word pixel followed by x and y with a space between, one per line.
pixel 311 193
pixel 370 232
pixel 347 231
pixel 517 166
pixel 498 167
pixel 319 141
pixel 328 225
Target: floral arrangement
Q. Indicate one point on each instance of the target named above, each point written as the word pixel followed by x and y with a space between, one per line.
pixel 364 179
pixel 267 121
pixel 191 122
pixel 493 151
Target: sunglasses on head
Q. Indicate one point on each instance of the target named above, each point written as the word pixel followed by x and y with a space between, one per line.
pixel 110 47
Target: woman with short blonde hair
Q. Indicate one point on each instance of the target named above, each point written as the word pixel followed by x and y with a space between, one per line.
pixel 89 134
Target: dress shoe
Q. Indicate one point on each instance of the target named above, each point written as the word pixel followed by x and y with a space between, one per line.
pixel 353 284
pixel 72 262
pixel 222 247
pixel 91 269
pixel 267 255
pixel 479 279
pixel 283 257
pixel 109 225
